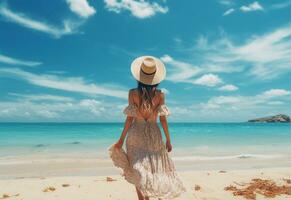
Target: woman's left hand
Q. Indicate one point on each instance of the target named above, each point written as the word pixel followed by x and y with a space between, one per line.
pixel 168 145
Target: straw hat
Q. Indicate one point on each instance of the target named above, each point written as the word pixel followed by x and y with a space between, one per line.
pixel 148 70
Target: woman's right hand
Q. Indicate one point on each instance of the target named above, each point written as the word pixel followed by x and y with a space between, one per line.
pixel 118 144
pixel 168 146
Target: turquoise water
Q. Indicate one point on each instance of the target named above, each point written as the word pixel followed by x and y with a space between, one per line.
pixel 188 139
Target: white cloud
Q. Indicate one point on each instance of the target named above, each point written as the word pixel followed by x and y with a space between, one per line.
pixel 63 109
pixel 228 87
pixel 167 59
pixel 228 12
pixel 216 102
pixel 181 72
pixel 270 53
pixel 81 8
pixel 202 42
pixel 25 21
pixel 281 5
pixel 275 102
pixel 267 56
pixel 247 102
pixel 209 80
pixel 26 111
pixel 41 97
pixel 14 61
pixel 235 108
pixel 93 106
pixel 226 2
pixel 229 109
pixel 255 6
pixel 138 8
pixel 276 93
pixel 72 84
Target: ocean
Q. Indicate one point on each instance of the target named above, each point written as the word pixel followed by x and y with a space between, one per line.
pixel 191 141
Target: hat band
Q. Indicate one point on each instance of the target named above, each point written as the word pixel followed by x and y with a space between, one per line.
pixel 148 73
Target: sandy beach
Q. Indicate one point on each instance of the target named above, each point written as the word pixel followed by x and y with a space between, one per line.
pixel 83 179
pixel 206 185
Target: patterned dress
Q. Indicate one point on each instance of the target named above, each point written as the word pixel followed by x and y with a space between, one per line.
pixel 146 162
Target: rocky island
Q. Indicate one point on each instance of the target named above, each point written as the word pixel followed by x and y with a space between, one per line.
pixel 273 119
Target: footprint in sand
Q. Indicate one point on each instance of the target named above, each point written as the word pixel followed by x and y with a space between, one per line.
pixel 49 189
pixel 66 185
pixel 197 187
pixel 6 196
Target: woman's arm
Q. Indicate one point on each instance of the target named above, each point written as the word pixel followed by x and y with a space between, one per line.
pixel 164 122
pixel 126 126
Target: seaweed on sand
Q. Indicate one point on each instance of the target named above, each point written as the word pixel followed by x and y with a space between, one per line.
pixel 267 188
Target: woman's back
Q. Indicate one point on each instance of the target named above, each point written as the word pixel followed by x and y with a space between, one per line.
pixel 151 113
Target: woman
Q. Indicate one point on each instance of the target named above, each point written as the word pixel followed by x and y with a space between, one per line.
pixel 146 162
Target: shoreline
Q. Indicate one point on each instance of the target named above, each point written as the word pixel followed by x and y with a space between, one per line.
pixel 54 167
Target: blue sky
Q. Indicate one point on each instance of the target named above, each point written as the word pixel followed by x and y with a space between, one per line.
pixel 69 60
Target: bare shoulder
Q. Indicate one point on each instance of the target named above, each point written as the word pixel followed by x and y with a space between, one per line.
pixel 161 96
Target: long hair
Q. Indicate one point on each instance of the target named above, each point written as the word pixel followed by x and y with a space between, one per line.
pixel 146 94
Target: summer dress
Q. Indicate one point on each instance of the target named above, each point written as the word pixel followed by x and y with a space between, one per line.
pixel 146 162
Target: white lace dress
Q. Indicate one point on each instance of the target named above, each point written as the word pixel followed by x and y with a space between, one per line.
pixel 146 162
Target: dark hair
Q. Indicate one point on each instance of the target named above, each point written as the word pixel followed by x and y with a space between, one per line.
pixel 146 94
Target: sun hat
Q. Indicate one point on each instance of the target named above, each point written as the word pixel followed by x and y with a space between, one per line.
pixel 148 70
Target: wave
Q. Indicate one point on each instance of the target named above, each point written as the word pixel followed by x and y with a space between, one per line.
pixel 240 156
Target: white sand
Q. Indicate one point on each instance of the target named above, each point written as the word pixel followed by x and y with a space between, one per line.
pixel 27 177
pixel 212 185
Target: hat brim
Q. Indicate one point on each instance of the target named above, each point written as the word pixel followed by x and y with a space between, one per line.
pixel 153 79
